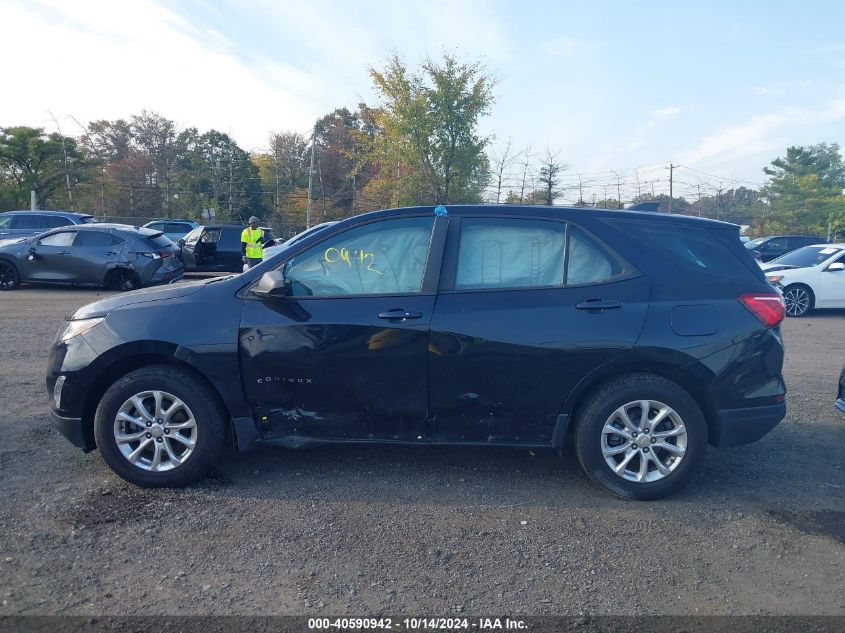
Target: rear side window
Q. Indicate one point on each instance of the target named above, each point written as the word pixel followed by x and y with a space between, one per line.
pixel 28 222
pixel 714 252
pixel 96 239
pixel 55 221
pixel 510 253
pixel 587 262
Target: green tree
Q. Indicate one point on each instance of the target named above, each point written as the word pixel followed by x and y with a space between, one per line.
pixel 429 121
pixel 31 160
pixel 805 190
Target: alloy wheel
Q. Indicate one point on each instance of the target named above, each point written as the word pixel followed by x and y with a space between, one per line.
pixel 644 441
pixel 155 431
pixel 797 301
pixel 7 276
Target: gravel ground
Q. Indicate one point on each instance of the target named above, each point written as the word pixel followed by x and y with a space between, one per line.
pixel 362 530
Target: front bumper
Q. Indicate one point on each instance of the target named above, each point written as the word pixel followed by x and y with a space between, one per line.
pixel 74 430
pixel 742 426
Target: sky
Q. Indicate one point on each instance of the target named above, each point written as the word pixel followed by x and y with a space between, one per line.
pixel 619 89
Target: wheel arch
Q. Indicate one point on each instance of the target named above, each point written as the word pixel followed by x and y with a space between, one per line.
pixel 129 358
pixel 692 378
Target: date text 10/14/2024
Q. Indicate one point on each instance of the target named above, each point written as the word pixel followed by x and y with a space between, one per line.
pixel 417 624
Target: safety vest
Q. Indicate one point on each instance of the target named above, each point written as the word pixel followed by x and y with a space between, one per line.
pixel 253 242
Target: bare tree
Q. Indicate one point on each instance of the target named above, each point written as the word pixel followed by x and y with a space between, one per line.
pixel 501 163
pixel 527 153
pixel 549 176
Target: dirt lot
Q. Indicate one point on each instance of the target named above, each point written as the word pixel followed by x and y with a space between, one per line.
pixel 360 530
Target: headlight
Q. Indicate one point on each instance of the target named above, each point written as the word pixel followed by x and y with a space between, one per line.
pixel 772 279
pixel 75 328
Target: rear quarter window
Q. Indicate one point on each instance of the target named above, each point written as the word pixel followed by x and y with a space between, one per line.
pixel 715 252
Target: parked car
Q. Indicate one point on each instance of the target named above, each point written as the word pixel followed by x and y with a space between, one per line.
pixel 215 247
pixel 810 278
pixel 275 248
pixel 840 399
pixel 15 224
pixel 108 255
pixel 175 230
pixel 766 249
pixel 638 337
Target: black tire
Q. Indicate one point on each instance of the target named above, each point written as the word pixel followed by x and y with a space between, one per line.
pixel 9 276
pixel 200 399
pixel 601 405
pixel 794 296
pixel 123 280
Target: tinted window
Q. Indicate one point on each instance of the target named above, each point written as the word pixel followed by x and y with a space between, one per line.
pixel 230 237
pixel 28 222
pixel 775 244
pixel 58 239
pixel 55 221
pixel 807 256
pixel 156 226
pixel 96 239
pixel 587 262
pixel 176 227
pixel 510 253
pixel 386 257
pixel 212 235
pixel 159 241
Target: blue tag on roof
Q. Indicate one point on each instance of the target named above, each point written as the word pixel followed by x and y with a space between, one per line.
pixel 440 210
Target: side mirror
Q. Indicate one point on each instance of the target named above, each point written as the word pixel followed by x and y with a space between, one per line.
pixel 757 254
pixel 836 267
pixel 271 284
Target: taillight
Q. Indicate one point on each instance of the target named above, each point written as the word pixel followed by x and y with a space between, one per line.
pixel 160 255
pixel 768 307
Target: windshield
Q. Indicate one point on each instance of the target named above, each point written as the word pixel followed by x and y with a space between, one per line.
pixel 807 256
pixel 755 243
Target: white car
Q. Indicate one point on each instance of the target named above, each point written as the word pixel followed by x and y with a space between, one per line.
pixel 810 278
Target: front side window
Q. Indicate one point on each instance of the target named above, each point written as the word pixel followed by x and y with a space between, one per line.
pixel 194 236
pixel 6 221
pixel 387 257
pixel 58 239
pixel 510 253
pixel 588 263
pixel 28 222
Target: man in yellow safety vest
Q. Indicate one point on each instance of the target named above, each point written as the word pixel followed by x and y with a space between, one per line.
pixel 252 239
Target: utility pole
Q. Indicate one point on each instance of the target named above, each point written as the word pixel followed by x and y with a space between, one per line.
pixel 33 201
pixel 637 174
pixel 618 192
pixel 671 182
pixel 719 202
pixel 699 200
pixel 580 192
pixel 310 179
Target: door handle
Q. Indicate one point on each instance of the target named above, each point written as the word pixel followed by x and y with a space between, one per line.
pixel 399 314
pixel 597 305
pixel 64 252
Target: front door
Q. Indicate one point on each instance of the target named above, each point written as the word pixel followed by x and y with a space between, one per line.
pixel 526 309
pixel 344 354
pixel 50 259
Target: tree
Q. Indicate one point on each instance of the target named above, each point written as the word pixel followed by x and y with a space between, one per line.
pixel 805 190
pixel 549 177
pixel 30 160
pixel 429 120
pixel 500 163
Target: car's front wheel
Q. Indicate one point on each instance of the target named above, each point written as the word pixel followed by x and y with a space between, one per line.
pixel 9 277
pixel 798 300
pixel 640 436
pixel 160 426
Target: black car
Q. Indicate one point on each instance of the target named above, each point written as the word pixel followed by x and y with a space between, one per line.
pixel 108 255
pixel 840 399
pixel 768 248
pixel 29 223
pixel 637 337
pixel 216 247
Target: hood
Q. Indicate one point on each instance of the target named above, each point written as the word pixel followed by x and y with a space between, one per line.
pixel 145 295
pixel 770 268
pixel 10 244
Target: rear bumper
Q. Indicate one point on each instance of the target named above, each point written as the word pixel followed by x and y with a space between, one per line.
pixel 72 429
pixel 743 426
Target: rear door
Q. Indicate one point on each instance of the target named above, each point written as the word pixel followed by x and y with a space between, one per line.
pixel 229 250
pixel 527 308
pixel 51 258
pixel 93 254
pixel 205 250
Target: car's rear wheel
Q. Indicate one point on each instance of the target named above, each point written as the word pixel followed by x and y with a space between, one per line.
pixel 798 300
pixel 640 436
pixel 160 426
pixel 9 277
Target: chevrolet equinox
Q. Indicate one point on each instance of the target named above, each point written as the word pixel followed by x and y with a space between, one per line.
pixel 639 338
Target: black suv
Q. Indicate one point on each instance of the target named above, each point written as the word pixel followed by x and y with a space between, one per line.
pixel 639 338
pixel 216 247
pixel 768 248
